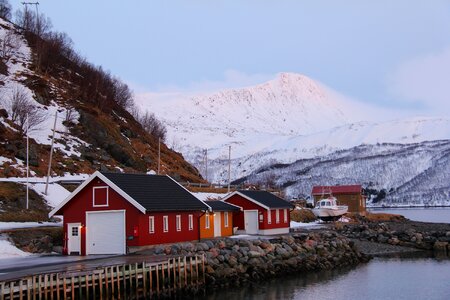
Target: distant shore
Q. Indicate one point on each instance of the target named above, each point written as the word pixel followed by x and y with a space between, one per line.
pixel 408 206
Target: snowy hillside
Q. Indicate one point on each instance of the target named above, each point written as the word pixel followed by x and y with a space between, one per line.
pixel 412 174
pixel 280 121
pixel 43 75
pixel 18 62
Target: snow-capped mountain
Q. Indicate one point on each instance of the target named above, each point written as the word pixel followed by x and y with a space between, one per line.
pixel 280 121
pixel 299 133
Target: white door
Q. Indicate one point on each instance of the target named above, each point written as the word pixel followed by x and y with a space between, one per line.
pixel 217 224
pixel 74 240
pixel 105 232
pixel 251 221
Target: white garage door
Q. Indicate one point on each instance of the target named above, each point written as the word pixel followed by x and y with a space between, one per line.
pixel 105 232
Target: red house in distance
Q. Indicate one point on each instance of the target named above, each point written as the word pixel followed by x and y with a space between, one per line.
pixel 261 212
pixel 112 212
pixel 350 195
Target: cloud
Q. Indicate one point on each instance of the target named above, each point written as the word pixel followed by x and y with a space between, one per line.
pixel 424 80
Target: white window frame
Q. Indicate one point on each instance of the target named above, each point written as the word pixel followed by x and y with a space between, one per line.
pixel 151 224
pixel 269 217
pixel 225 219
pixel 178 222
pixel 277 216
pixel 285 215
pixel 93 196
pixel 207 225
pixel 165 223
pixel 191 222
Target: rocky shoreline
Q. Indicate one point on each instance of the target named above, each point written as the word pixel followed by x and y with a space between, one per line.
pixel 234 262
pixel 405 235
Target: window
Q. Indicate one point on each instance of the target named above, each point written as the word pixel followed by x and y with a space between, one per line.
pixel 151 224
pixel 225 216
pixel 277 216
pixel 207 221
pixel 285 216
pixel 166 223
pixel 191 222
pixel 100 196
pixel 178 222
pixel 269 217
pixel 74 231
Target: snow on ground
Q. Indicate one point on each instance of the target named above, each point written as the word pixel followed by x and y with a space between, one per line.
pixel 55 193
pixel 8 250
pixel 18 225
pixel 67 176
pixel 4 159
pixel 209 196
pixel 305 225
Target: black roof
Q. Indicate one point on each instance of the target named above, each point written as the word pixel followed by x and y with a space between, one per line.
pixel 267 199
pixel 156 192
pixel 218 205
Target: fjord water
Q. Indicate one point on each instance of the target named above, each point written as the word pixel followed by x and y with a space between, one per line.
pixel 424 278
pixel 381 278
pixel 427 214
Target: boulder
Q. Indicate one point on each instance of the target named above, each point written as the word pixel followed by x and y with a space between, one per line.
pixel 440 246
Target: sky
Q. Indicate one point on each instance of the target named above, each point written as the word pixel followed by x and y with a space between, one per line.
pixel 393 54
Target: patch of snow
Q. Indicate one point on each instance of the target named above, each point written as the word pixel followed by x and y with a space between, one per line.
pixel 4 160
pixel 295 224
pixel 55 193
pixel 209 196
pixel 8 250
pixel 19 225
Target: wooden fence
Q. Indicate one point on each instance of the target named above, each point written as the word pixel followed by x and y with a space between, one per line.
pixel 129 281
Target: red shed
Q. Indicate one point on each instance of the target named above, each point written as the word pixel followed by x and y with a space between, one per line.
pixel 111 212
pixel 261 212
pixel 350 195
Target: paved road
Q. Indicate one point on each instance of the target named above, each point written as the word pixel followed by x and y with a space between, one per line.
pixel 33 265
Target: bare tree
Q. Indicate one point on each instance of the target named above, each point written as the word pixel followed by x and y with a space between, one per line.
pixel 38 24
pixel 5 9
pixel 149 123
pixel 24 112
pixel 8 44
pixel 122 94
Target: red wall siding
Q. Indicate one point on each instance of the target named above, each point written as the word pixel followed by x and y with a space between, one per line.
pixel 238 217
pixel 75 212
pixel 172 236
pixel 274 224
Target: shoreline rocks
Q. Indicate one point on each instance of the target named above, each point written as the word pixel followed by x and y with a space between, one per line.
pixel 424 236
pixel 231 261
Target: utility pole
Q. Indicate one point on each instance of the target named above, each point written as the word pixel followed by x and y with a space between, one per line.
pixel 229 167
pixel 51 154
pixel 32 3
pixel 159 155
pixel 206 164
pixel 28 166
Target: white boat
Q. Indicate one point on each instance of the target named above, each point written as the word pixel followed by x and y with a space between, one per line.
pixel 328 210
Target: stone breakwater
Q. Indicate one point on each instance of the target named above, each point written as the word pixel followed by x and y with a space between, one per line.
pixel 239 261
pixel 425 236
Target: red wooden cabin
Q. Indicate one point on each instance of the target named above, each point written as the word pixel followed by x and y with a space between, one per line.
pixel 350 195
pixel 261 212
pixel 112 212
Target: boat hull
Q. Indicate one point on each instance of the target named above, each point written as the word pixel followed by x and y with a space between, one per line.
pixel 329 214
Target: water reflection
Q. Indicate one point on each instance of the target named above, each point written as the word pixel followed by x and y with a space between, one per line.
pixel 382 278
